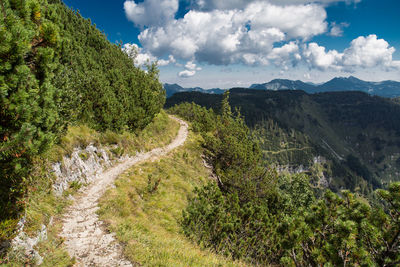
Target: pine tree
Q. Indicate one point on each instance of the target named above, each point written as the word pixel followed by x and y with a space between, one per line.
pixel 56 68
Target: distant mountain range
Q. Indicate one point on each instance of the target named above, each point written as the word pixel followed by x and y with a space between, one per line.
pixel 384 88
pixel 175 88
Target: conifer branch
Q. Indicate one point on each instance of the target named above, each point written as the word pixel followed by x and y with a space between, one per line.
pixel 3 9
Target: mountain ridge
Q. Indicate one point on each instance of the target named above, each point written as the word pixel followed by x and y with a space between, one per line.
pixel 387 88
pixel 171 89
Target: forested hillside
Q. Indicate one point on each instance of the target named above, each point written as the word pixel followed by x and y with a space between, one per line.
pixel 57 69
pixel 255 214
pixel 357 135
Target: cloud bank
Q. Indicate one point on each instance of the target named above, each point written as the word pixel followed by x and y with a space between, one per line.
pixel 223 37
pixel 240 4
pixel 250 32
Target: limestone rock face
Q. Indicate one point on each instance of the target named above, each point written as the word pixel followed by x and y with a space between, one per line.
pixel 22 242
pixel 82 166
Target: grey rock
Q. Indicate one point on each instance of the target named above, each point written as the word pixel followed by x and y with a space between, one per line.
pixel 82 166
pixel 26 245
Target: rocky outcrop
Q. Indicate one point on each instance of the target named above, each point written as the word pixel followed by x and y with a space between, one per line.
pixel 322 181
pixel 26 245
pixel 82 166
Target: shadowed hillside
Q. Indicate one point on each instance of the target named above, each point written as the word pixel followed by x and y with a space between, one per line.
pixel 358 134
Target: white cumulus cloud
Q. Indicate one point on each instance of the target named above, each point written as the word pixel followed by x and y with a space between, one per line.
pixel 369 52
pixel 137 54
pixel 165 62
pixel 318 58
pixel 337 29
pixel 191 66
pixel 285 55
pixel 364 52
pixel 186 73
pixel 151 12
pixel 190 70
pixel 251 32
pixel 222 37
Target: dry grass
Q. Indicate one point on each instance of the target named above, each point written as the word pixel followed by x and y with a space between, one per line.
pixel 147 220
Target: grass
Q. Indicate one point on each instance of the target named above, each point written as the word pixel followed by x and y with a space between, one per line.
pixel 159 132
pixel 146 218
pixel 42 206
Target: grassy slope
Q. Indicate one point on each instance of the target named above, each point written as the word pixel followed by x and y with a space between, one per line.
pixel 147 220
pixel 42 204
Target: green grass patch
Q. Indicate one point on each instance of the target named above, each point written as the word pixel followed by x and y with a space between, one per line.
pixel 42 206
pixel 158 133
pixel 146 219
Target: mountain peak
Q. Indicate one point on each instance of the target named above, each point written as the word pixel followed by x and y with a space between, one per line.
pixel 284 84
pixel 176 88
pixel 172 84
pixel 354 79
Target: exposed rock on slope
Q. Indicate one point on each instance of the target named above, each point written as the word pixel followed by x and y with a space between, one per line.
pixel 83 166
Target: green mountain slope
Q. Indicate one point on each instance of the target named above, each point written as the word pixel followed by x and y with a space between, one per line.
pixel 267 218
pixel 145 210
pixel 357 134
pixel 57 69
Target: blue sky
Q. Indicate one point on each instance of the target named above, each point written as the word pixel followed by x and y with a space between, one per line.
pixel 217 43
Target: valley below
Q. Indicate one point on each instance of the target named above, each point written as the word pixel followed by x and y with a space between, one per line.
pixel 356 135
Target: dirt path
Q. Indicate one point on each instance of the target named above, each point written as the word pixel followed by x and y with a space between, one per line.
pixel 85 235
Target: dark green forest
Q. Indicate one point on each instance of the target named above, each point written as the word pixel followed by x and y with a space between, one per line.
pixel 356 134
pixel 254 214
pixel 57 69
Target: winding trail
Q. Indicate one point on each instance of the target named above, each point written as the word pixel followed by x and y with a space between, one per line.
pixel 85 236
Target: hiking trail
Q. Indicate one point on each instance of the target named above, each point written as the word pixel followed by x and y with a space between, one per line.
pixel 85 236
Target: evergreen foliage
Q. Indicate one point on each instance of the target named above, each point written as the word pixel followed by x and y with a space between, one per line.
pixel 234 156
pixel 284 147
pixel 56 68
pixel 343 231
pixel 269 219
pixel 203 119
